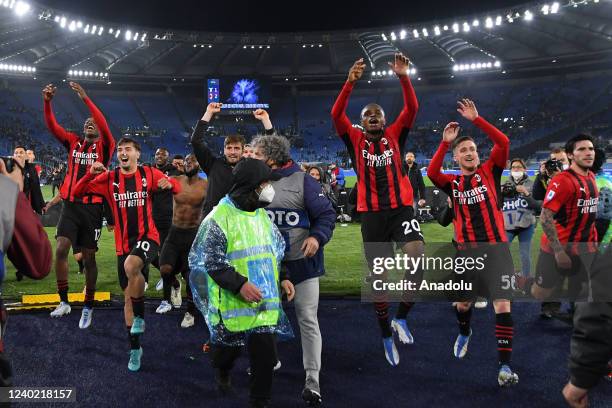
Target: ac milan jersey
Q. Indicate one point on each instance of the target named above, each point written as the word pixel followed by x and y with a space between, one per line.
pixel 81 153
pixel 574 199
pixel 382 183
pixel 130 198
pixel 477 213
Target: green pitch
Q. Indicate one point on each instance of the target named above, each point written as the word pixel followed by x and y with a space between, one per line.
pixel 344 263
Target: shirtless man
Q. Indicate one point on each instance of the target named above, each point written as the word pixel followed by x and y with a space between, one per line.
pixel 186 217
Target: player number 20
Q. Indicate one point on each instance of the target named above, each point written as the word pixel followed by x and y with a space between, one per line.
pixel 412 225
pixel 144 245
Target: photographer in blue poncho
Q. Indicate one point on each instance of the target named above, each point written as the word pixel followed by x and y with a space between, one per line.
pixel 235 275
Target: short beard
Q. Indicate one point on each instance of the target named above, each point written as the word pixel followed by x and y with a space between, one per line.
pixel 192 173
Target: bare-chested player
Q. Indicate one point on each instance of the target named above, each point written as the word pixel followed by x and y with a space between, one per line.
pixel 186 218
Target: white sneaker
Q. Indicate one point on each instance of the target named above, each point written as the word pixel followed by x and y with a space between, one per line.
pixel 62 309
pixel 481 303
pixel 86 316
pixel 159 285
pixel 164 307
pixel 188 320
pixel 175 296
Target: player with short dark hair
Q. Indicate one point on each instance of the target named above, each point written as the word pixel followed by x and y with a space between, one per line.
pixel 80 222
pixel 128 190
pixel 569 242
pixel 384 197
pixel 178 161
pixel 174 256
pixel 479 230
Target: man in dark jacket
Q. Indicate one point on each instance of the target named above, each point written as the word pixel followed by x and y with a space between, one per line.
pixel 306 219
pixel 219 169
pixel 416 180
pixel 591 349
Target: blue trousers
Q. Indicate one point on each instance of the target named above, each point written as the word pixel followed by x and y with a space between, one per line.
pixel 525 236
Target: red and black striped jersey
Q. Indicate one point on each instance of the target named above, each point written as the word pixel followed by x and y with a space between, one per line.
pixel 382 183
pixel 130 199
pixel 477 214
pixel 573 198
pixel 81 153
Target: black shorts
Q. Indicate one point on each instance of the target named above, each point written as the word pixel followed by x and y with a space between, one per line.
pixel 175 250
pixel 549 275
pixel 379 229
pixel 485 271
pixel 81 224
pixel 145 250
pixel 163 229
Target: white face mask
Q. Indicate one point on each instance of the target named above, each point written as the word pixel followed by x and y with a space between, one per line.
pixel 565 166
pixel 517 175
pixel 267 194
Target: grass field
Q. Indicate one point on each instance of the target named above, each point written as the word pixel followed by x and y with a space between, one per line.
pixel 344 263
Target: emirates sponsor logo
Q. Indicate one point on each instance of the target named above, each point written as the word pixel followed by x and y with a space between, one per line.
pixel 472 196
pixel 378 160
pixel 588 206
pixel 83 158
pixel 130 199
pixel 83 155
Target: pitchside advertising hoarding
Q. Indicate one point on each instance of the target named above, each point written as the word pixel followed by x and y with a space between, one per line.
pixel 239 96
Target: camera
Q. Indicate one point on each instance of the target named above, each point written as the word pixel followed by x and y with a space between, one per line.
pixel 508 189
pixel 9 163
pixel 552 166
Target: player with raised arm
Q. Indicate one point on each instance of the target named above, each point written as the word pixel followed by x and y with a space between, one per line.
pixel 186 219
pixel 479 230
pixel 128 190
pixel 80 223
pixel 384 198
pixel 219 169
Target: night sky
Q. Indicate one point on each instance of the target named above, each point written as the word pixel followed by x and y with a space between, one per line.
pixel 268 16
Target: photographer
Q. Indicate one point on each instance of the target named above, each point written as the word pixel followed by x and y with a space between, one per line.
pixel 558 162
pixel 520 210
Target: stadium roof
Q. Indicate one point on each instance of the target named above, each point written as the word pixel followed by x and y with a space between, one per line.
pixel 529 37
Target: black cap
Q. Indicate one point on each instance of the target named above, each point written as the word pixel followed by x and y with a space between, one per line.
pixel 249 174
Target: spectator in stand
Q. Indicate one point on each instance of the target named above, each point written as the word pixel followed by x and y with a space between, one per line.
pixel 520 211
pixel 57 177
pixel 31 183
pixel 318 174
pixel 416 180
pixel 248 151
pixel 337 181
